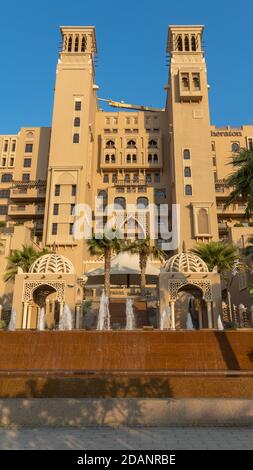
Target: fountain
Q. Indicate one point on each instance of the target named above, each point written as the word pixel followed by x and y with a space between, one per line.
pixel 12 324
pixel 165 318
pixel 104 313
pixel 41 319
pixel 189 324
pixel 220 324
pixel 66 319
pixel 130 319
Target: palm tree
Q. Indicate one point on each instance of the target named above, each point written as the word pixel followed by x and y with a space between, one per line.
pixel 145 250
pixel 242 181
pixel 110 244
pixel 218 254
pixel 23 259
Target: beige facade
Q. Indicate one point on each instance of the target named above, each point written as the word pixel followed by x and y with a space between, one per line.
pixel 171 156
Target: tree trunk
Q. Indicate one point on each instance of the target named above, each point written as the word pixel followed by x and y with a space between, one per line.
pixel 107 284
pixel 143 267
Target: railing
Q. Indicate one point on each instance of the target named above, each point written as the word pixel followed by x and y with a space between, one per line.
pixel 130 183
pixel 96 292
pixel 29 184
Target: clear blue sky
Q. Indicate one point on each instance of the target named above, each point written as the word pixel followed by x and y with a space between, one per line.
pixel 131 37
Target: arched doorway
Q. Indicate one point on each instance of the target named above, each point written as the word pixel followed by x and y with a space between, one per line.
pixel 190 300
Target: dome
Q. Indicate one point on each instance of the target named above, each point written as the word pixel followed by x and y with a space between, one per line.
pixel 186 262
pixel 52 263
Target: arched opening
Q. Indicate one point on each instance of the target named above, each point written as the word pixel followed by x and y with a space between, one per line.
pixel 131 144
pixel 152 143
pixel 179 43
pixel 110 144
pixel 70 44
pixel 203 221
pixel 193 43
pixel 190 301
pixel 142 202
pixel 76 43
pixel 119 203
pixel 44 296
pixel 83 45
pixel 186 43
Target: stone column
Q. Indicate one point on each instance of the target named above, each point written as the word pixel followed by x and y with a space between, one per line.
pixel 78 309
pixel 209 314
pixel 173 320
pixel 24 319
pixel 29 317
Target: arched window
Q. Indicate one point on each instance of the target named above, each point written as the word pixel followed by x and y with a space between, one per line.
pixel 186 43
pixel 187 172
pixel 107 159
pixel 134 157
pixel 142 202
pixel 119 203
pixel 77 122
pixel 187 154
pixel 110 144
pixel 127 178
pixel 128 158
pixel 155 158
pixel 136 178
pixel 235 147
pixel 152 143
pixel 102 200
pixel 150 158
pixel 131 144
pixel 113 159
pixel 83 45
pixel 193 43
pixel 188 190
pixel 76 139
pixel 179 43
pixel 70 44
pixel 76 43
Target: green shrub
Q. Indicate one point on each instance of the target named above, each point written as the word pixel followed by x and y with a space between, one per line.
pixel 86 306
pixel 2 324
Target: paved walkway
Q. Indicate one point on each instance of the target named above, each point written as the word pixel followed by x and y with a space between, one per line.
pixel 125 438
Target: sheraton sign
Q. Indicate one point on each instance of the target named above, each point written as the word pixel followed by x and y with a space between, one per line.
pixel 226 134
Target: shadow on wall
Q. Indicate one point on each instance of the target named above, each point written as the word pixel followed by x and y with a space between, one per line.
pixel 227 351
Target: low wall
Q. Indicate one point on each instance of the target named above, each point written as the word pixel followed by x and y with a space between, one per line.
pixel 78 350
pixel 131 412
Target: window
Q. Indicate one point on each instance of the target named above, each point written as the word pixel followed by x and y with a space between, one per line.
pixel 119 203
pixel 114 178
pixel 56 209
pixel 131 144
pixel 128 158
pixel 27 162
pixel 83 45
pixel 106 179
pixel 3 210
pixel 235 147
pixel 28 148
pixel 107 159
pixel 54 229
pixel 155 158
pixel 78 105
pixel 214 161
pixel 150 158
pixel 196 81
pixel 113 159
pixel 179 43
pixel 77 122
pixel 188 190
pixel 186 43
pixel 149 178
pixel 250 143
pixel 127 178
pixel 11 161
pixel 76 44
pixel 6 177
pixel 152 143
pixel 13 147
pixel 76 139
pixel 142 202
pixel 193 43
pixel 72 207
pixel 213 146
pixel 5 146
pixel 160 193
pixel 185 81
pixel 4 193
pixel 71 229
pixel 187 154
pixel 4 161
pixel 57 190
pixel 70 44
pixel 26 177
pixel 136 178
pixel 128 120
pixel 187 172
pixel 110 144
pixel 157 178
pixel 73 190
pixel 134 158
